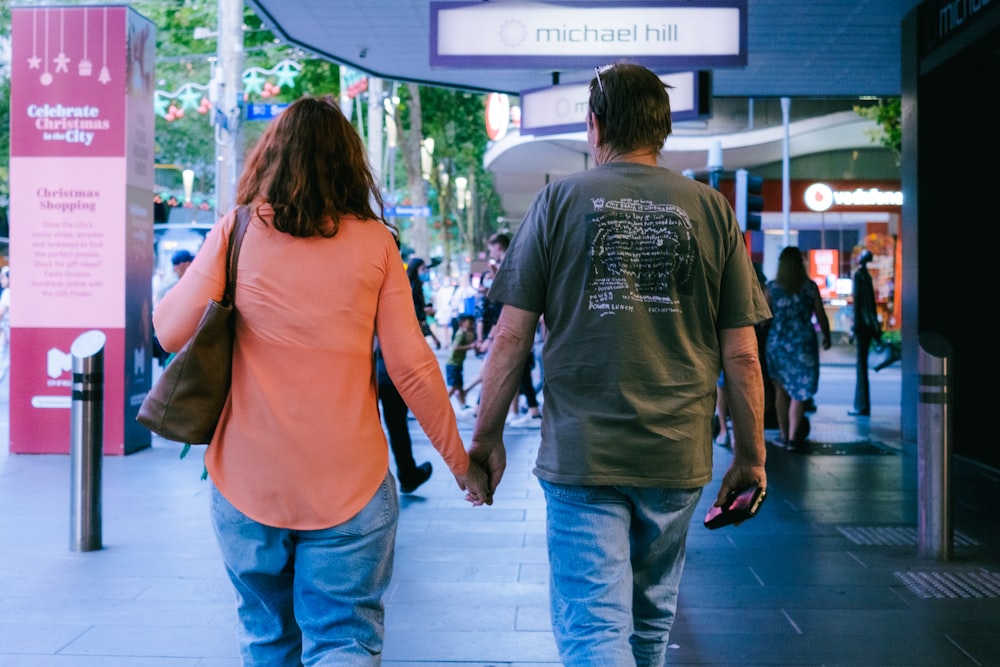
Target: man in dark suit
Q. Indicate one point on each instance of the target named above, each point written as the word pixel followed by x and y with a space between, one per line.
pixel 867 328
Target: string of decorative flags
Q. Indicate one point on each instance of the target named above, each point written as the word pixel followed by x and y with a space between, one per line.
pixel 195 96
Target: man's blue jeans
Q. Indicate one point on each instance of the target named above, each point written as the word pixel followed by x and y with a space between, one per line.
pixel 310 597
pixel 616 556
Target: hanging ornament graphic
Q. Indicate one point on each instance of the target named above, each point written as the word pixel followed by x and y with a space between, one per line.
pixel 105 75
pixel 85 67
pixel 46 77
pixel 62 61
pixel 34 61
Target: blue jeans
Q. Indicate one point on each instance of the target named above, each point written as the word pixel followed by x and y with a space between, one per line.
pixel 616 556
pixel 310 597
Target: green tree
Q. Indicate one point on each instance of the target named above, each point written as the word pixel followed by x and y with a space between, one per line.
pixel 408 118
pixel 189 142
pixel 183 58
pixel 454 119
pixel 887 113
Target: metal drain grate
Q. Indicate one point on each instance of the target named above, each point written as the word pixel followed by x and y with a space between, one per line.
pixel 896 536
pixel 855 448
pixel 964 584
pixel 833 447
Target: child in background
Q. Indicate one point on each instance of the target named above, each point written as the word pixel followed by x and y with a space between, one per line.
pixel 463 341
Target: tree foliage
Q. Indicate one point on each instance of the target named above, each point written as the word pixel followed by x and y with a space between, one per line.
pixel 887 113
pixel 453 118
pixel 182 58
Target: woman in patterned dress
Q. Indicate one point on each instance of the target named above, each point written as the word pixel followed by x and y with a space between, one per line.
pixel 792 348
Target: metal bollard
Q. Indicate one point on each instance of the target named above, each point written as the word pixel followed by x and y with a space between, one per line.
pixel 87 446
pixel 934 436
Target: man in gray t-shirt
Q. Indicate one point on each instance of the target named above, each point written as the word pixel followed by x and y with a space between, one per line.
pixel 648 292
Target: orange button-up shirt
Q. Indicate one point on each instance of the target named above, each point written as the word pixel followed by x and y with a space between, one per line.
pixel 300 442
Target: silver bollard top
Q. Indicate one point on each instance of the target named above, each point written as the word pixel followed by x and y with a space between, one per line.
pixel 934 344
pixel 88 343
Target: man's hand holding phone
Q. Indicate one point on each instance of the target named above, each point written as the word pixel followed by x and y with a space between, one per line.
pixel 737 508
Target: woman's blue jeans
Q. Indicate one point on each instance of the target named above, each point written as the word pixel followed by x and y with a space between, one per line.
pixel 310 597
pixel 616 555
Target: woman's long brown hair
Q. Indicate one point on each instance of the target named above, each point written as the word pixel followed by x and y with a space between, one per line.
pixel 792 273
pixel 311 164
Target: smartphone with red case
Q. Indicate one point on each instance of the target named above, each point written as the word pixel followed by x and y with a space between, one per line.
pixel 739 506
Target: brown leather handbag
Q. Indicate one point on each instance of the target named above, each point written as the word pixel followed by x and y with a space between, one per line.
pixel 185 402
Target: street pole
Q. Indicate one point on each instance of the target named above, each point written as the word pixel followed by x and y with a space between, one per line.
pixel 786 170
pixel 715 165
pixel 376 121
pixel 229 105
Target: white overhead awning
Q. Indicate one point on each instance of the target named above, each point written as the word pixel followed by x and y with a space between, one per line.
pixel 522 165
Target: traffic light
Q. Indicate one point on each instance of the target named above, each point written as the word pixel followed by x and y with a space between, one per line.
pixel 749 199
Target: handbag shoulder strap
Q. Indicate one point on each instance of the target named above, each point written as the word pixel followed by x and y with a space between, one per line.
pixel 233 255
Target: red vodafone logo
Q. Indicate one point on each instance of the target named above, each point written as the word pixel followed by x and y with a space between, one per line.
pixel 819 197
pixel 497 115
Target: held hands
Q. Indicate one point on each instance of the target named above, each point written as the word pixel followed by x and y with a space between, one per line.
pixel 475 483
pixel 493 460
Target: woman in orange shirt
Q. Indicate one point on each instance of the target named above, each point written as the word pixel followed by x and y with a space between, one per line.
pixel 303 503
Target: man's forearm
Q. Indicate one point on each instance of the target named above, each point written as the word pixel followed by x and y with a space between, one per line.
pixel 745 396
pixel 512 337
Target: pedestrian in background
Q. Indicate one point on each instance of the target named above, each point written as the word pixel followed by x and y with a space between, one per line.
pixel 444 314
pixel 454 369
pixel 792 348
pixel 867 329
pixel 303 504
pixel 4 320
pixel 179 261
pixel 722 407
pixel 647 292
pixel 418 274
pixel 487 309
pixel 463 300
pixel 497 246
pixel 722 413
pixel 395 414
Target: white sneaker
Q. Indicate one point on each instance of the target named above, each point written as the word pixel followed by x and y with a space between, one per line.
pixel 527 421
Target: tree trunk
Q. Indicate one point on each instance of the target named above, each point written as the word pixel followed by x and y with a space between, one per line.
pixel 418 237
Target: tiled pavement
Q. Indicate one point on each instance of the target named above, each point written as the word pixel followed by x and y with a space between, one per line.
pixel 828 574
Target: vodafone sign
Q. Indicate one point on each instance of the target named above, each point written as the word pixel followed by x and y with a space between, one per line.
pixel 821 197
pixel 497 115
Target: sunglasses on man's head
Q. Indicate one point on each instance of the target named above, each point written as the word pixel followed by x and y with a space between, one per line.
pixel 597 71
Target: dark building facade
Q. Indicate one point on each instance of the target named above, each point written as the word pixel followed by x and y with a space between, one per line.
pixel 951 210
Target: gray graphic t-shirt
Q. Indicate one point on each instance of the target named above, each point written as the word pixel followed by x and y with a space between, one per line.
pixel 635 269
pixel 642 255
